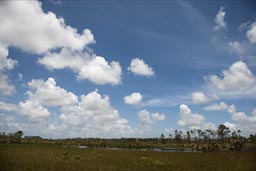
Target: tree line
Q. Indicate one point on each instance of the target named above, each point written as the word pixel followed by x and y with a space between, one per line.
pixel 221 139
pixel 11 137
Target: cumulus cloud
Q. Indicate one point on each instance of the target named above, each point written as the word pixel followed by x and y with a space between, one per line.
pixel 237 116
pixel 26 26
pixel 10 124
pixel 146 118
pixel 246 123
pixel 220 20
pixel 217 106
pixel 251 33
pixel 139 67
pixel 158 116
pixel 95 116
pixel 190 120
pixel 66 58
pixel 5 87
pixel 53 111
pixel 6 64
pixel 199 97
pixel 87 66
pixel 238 80
pixel 49 94
pixel 33 110
pixel 93 113
pixel 100 71
pixel 133 99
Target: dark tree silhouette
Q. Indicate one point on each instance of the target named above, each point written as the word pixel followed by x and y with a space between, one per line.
pixel 18 136
pixel 222 132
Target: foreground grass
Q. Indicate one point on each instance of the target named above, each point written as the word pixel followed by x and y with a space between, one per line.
pixel 19 157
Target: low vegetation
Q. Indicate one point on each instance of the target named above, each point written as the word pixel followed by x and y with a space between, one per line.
pixel 38 157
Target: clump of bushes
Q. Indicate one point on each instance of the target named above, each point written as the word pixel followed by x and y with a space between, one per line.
pixel 77 157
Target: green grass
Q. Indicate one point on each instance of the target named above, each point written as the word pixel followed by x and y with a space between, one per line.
pixel 19 157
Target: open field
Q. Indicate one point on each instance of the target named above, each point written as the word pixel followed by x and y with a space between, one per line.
pixel 20 157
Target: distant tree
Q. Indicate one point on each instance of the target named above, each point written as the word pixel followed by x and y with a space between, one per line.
pixel 222 132
pixel 18 136
pixel 205 136
pixel 188 137
pixel 177 137
pixel 209 133
pixel 162 140
pixel 252 138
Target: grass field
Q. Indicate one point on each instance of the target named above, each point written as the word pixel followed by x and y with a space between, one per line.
pixel 19 157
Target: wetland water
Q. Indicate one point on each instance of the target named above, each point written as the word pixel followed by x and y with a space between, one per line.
pixel 142 149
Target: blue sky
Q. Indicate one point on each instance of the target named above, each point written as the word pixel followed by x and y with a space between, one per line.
pixel 126 69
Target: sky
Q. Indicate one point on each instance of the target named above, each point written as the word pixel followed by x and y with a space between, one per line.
pixel 126 69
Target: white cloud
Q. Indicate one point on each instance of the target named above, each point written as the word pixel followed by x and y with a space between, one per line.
pixel 246 123
pixel 95 116
pixel 64 59
pixel 33 110
pixel 158 116
pixel 49 94
pixel 6 64
pixel 191 120
pixel 7 106
pixel 26 26
pixel 219 20
pixel 71 119
pixel 236 47
pixel 237 116
pixel 251 33
pixel 168 131
pixel 187 118
pixel 200 97
pixel 237 81
pixel 10 124
pixel 87 66
pixel 139 67
pixel 217 106
pixel 133 99
pixel 5 87
pixel 99 71
pixel 91 115
pixel 146 118
pixel 231 126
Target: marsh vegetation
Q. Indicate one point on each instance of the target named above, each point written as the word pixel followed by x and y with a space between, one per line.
pixel 218 149
pixel 48 157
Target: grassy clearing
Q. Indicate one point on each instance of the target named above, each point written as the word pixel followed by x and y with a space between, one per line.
pixel 43 157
